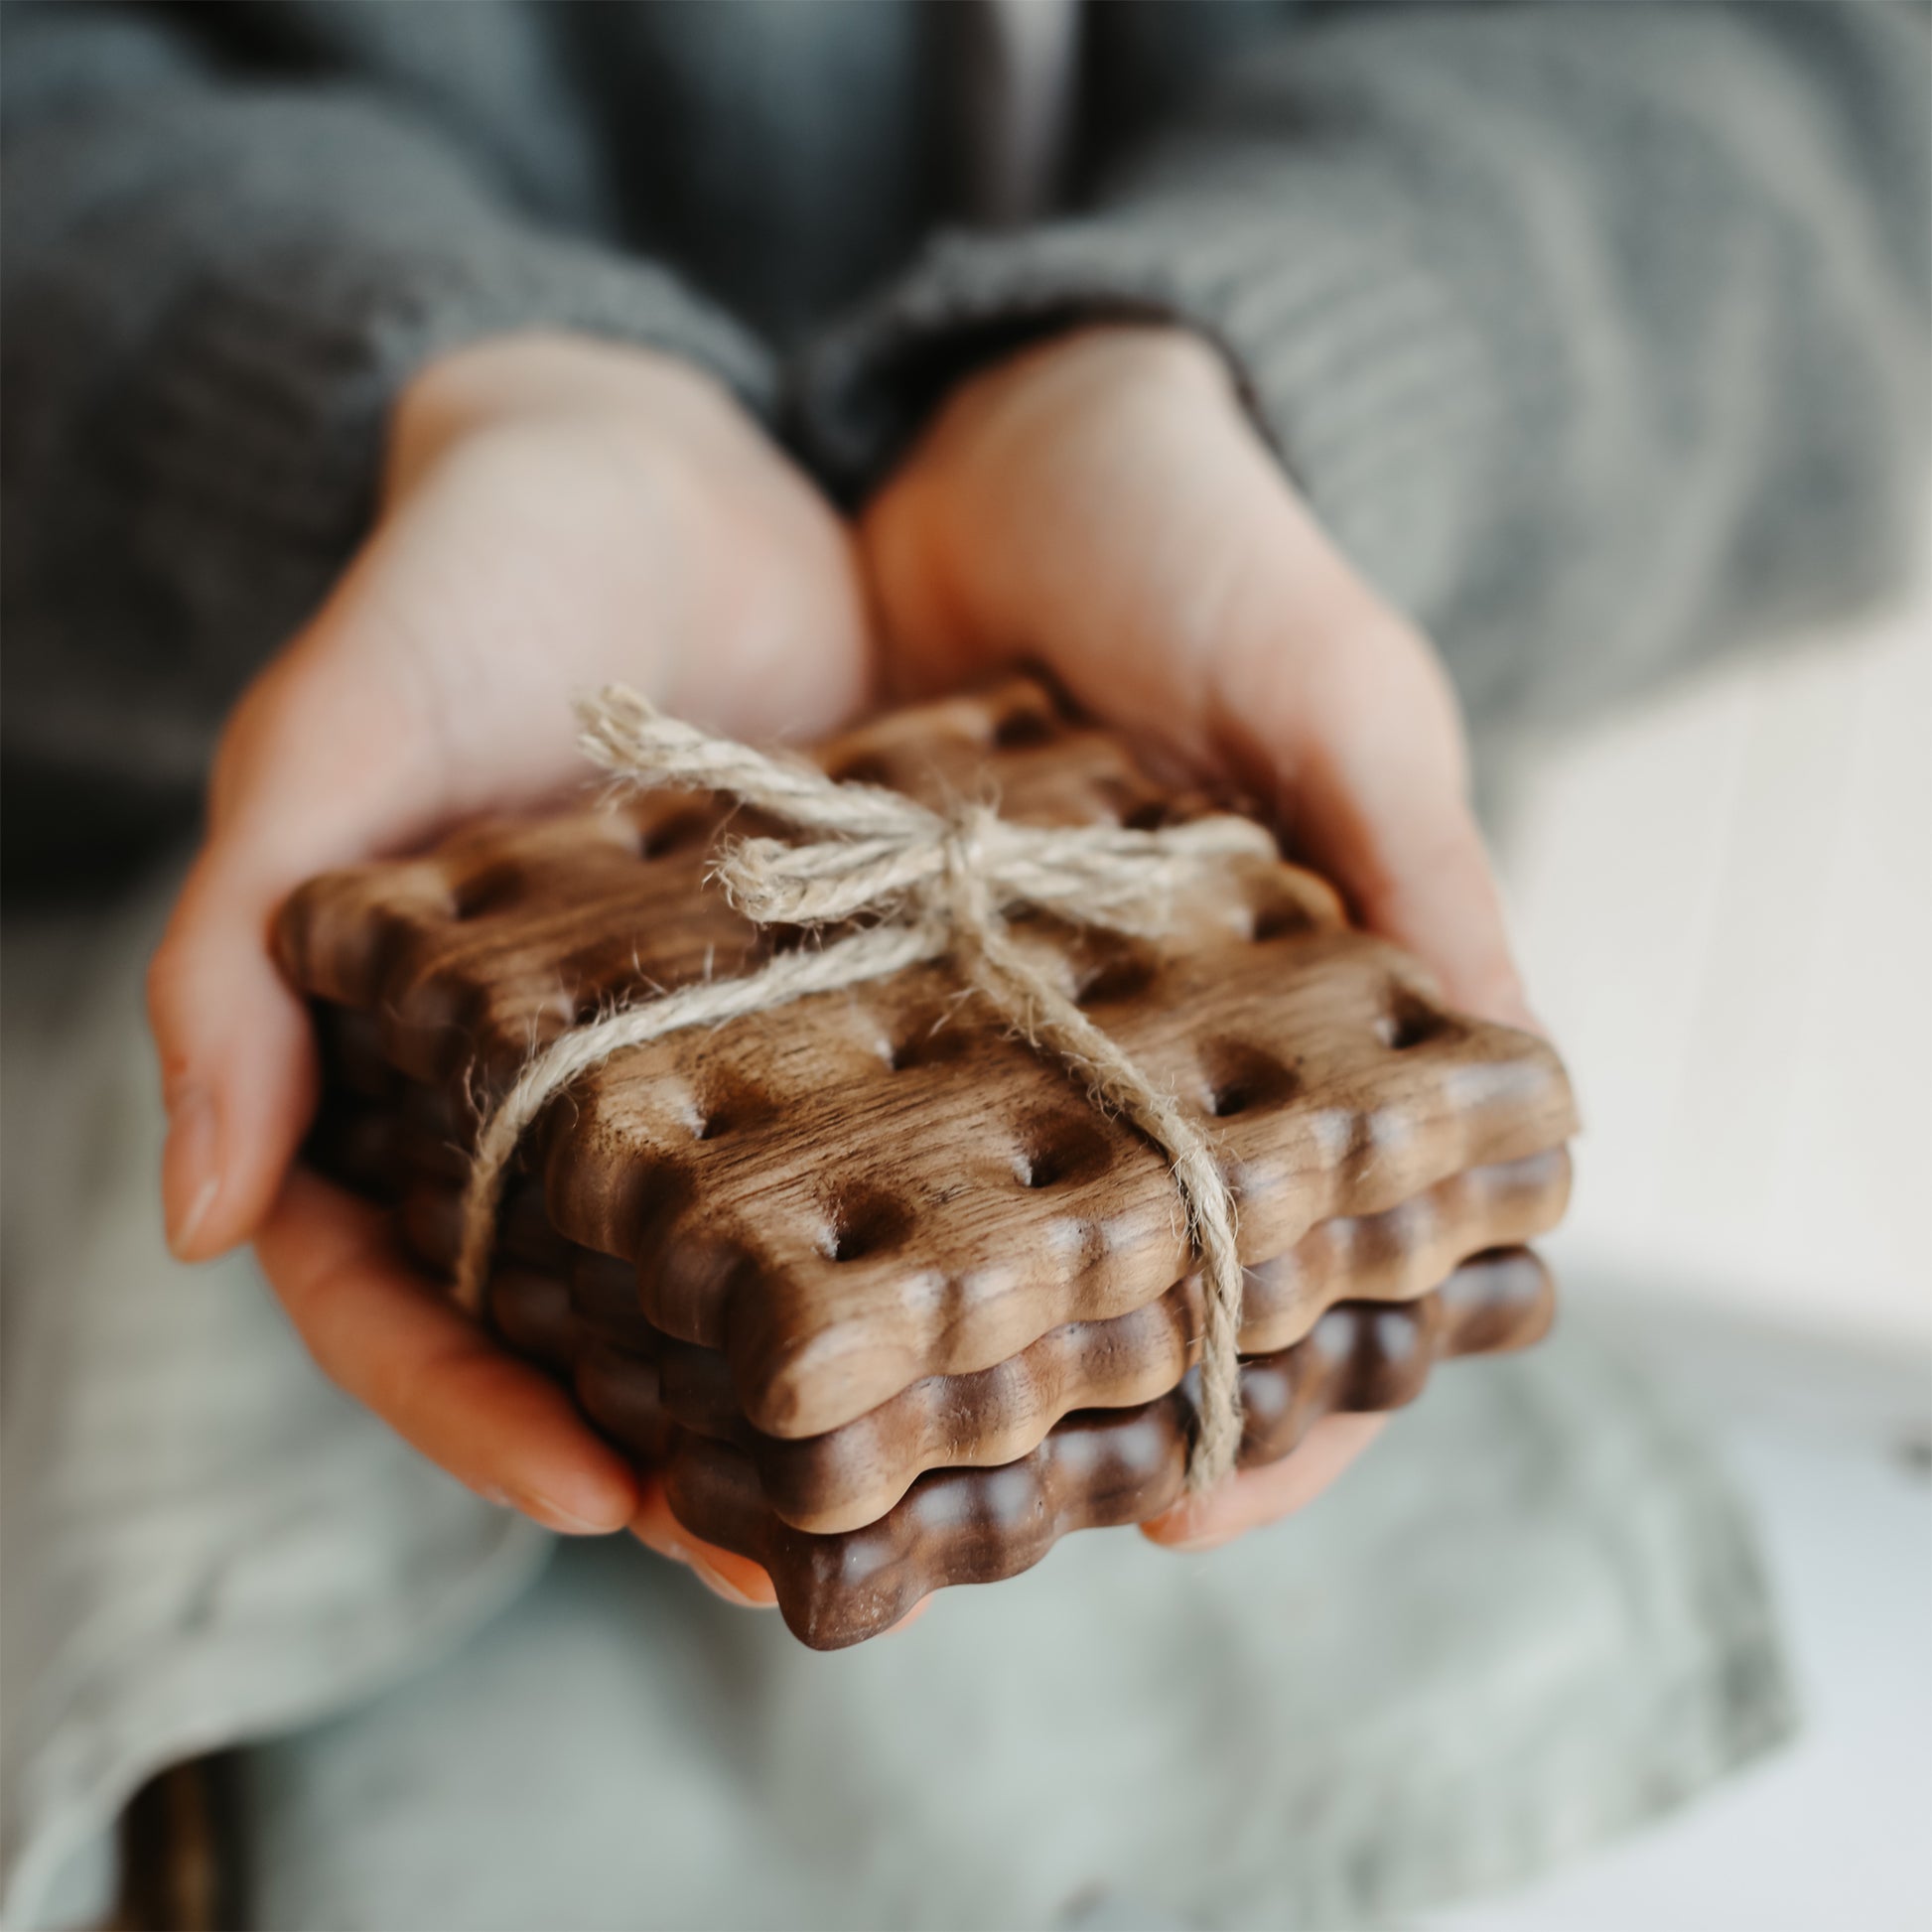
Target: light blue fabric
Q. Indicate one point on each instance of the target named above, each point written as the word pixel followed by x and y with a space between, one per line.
pixel 1530 1617
pixel 202 1540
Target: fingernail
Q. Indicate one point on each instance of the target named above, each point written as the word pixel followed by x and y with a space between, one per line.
pixel 190 1177
pixel 1188 1532
pixel 720 1585
pixel 1190 1545
pixel 554 1516
pixel 911 1617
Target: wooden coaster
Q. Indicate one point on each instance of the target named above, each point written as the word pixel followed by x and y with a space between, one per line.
pixel 552 1298
pixel 867 1190
pixel 1092 1469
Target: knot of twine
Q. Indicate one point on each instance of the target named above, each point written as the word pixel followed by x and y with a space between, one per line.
pixel 929 885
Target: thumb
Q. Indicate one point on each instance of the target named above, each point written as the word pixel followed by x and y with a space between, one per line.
pixel 310 773
pixel 1354 728
pixel 237 1065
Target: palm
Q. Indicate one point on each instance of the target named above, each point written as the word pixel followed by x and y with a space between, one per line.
pixel 1102 504
pixel 1044 516
pixel 557 515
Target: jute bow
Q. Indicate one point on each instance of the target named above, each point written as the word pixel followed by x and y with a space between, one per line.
pixel 927 886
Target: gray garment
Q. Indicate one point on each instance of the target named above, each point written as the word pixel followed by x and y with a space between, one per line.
pixel 1596 334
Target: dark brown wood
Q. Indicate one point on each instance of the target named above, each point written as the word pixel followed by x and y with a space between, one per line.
pixel 553 1298
pixel 181 1851
pixel 863 1190
pixel 1095 1469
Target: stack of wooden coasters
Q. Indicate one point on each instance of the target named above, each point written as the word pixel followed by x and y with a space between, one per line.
pixel 886 1299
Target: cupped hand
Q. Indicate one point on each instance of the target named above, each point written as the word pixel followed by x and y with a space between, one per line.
pixel 1103 505
pixel 555 513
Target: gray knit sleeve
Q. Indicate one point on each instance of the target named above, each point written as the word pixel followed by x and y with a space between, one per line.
pixel 1596 335
pixel 215 286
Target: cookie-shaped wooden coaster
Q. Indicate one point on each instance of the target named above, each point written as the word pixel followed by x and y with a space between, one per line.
pixel 847 1476
pixel 1092 1469
pixel 861 1191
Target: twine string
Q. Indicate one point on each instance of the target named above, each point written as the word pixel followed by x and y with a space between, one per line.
pixel 927 886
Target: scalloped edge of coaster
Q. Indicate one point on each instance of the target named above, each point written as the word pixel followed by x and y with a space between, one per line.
pixel 1096 1469
pixel 850 1476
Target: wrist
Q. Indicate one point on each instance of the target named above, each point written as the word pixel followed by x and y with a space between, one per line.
pixel 1136 357
pixel 536 377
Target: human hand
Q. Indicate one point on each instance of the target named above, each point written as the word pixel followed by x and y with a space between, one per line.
pixel 555 513
pixel 1102 504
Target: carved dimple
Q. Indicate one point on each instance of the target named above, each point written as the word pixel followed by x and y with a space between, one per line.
pixel 1275 912
pixel 1237 1077
pixel 1412 1020
pixel 1150 815
pixel 1130 801
pixel 1024 725
pixel 869 768
pixel 1112 970
pixel 725 1103
pixel 928 1041
pixel 485 890
pixel 676 831
pixel 859 1222
pixel 1056 1150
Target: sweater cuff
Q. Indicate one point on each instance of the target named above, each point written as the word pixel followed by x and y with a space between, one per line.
pixel 1358 359
pixel 263 418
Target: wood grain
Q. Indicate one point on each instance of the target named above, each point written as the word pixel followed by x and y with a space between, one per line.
pixel 1093 1470
pixel 556 1300
pixel 865 1191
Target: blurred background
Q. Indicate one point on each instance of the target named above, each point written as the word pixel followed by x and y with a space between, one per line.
pixel 1723 903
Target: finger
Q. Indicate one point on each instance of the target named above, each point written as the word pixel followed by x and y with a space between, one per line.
pixel 1425 880
pixel 379 1332
pixel 1353 725
pixel 738 1580
pixel 238 1063
pixel 301 785
pixel 1257 1496
pixel 911 1617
